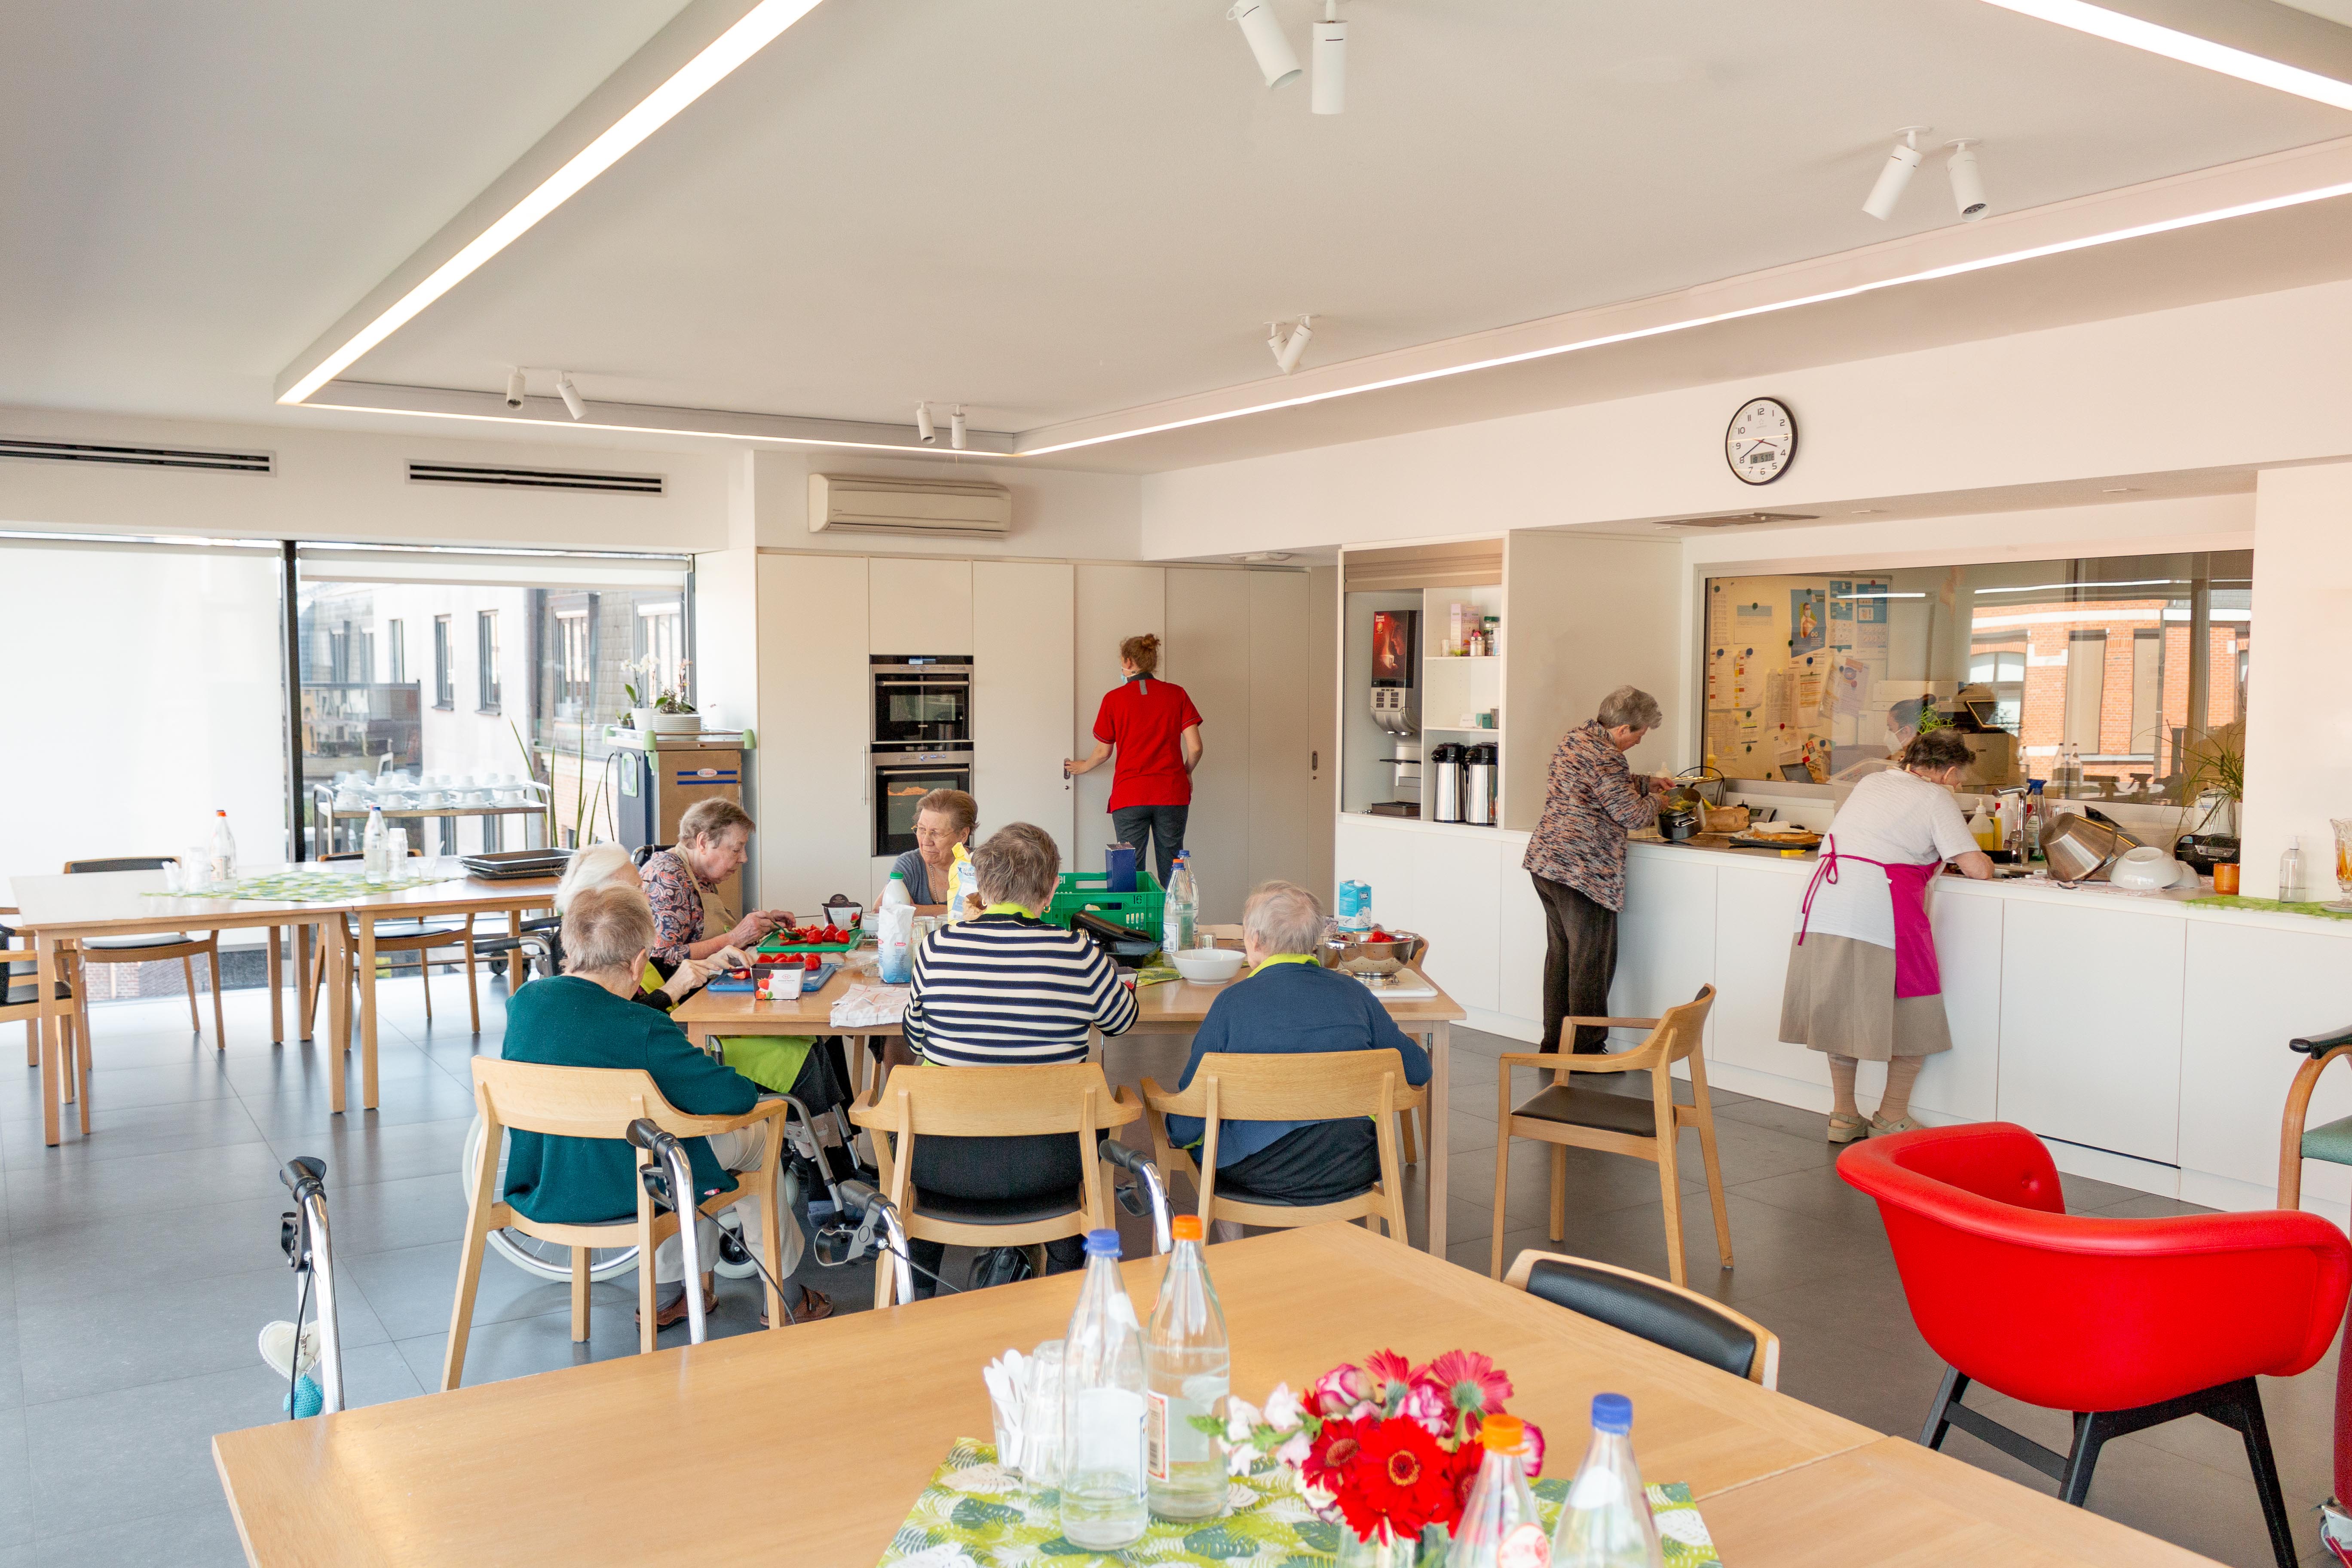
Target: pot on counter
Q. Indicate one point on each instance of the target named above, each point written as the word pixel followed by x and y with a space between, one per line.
pixel 2081 850
pixel 1681 824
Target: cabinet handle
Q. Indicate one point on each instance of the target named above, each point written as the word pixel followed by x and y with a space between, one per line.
pixel 1314 762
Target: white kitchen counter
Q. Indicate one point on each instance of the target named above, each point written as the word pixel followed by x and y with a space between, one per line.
pixel 2145 1038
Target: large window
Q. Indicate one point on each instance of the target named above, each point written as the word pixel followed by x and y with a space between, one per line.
pixel 2136 663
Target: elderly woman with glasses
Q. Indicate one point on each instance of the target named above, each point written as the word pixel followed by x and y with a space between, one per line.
pixel 714 839
pixel 1577 856
pixel 944 819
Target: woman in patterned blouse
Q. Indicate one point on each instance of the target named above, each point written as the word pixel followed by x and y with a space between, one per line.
pixel 1578 859
pixel 712 840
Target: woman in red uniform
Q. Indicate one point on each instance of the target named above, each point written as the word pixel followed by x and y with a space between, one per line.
pixel 1157 732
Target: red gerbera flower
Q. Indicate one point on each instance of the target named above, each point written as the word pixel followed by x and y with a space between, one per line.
pixel 1400 1477
pixel 1387 1377
pixel 1469 1381
pixel 1337 1450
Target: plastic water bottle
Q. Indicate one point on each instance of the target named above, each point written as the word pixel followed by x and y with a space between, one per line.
pixel 224 852
pixel 2291 876
pixel 1180 908
pixel 1103 1502
pixel 1187 1366
pixel 1500 1527
pixel 373 848
pixel 893 931
pixel 1606 1521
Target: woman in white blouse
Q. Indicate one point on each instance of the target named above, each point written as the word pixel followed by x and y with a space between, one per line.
pixel 1862 982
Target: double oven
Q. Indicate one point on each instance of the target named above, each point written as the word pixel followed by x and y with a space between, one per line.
pixel 922 739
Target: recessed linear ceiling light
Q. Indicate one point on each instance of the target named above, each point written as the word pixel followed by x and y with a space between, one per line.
pixel 1276 61
pixel 1327 48
pixel 572 405
pixel 2186 48
pixel 1901 164
pixel 757 27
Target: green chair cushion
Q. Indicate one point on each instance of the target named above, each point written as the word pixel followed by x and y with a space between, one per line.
pixel 2331 1142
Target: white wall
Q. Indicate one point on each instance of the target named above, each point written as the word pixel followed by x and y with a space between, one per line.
pixel 2298 712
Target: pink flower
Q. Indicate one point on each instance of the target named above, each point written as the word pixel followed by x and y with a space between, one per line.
pixel 1425 1405
pixel 1336 1393
pixel 1387 1377
pixel 1535 1450
pixel 1468 1381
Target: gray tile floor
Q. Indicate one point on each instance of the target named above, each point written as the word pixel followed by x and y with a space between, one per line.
pixel 140 1263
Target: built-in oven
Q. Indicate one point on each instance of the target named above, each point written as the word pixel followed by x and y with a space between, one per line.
pixel 901 780
pixel 923 699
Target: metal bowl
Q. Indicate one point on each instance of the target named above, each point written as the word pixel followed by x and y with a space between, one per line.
pixel 1342 952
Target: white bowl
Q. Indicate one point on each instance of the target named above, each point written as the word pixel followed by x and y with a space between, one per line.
pixel 2145 867
pixel 1208 966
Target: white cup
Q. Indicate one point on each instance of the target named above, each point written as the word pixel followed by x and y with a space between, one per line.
pixel 395 847
pixel 784 982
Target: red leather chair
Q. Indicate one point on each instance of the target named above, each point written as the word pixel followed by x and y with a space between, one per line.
pixel 2129 1324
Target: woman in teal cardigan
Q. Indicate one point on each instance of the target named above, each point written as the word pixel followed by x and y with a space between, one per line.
pixel 587 1018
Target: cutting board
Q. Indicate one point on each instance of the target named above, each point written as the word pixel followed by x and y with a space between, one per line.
pixel 1405 985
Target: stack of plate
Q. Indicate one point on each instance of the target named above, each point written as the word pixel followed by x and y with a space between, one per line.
pixel 503 865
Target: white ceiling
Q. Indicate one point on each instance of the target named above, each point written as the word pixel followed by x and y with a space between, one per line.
pixel 1046 209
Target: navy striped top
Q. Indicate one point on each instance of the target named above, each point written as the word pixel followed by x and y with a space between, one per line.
pixel 1003 990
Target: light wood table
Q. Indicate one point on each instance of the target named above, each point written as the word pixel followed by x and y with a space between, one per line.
pixel 808 1445
pixel 1176 1007
pixel 61 909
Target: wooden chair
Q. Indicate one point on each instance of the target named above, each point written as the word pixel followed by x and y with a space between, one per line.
pixel 20 999
pixel 599 1102
pixel 2331 1140
pixel 153 947
pixel 927 1101
pixel 405 934
pixel 1321 1087
pixel 1565 1116
pixel 1674 1316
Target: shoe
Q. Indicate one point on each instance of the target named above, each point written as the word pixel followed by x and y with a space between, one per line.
pixel 1849 1129
pixel 1900 1124
pixel 814 1308
pixel 670 1310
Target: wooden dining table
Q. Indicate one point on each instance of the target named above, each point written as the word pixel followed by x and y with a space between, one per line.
pixel 809 1444
pixel 1174 1007
pixel 60 911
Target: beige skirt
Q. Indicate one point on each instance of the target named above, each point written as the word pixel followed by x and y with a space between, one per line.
pixel 1840 998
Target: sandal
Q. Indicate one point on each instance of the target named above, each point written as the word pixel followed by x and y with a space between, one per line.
pixel 1849 1129
pixel 1900 1124
pixel 814 1308
pixel 675 1313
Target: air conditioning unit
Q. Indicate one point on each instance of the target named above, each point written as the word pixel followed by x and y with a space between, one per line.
pixel 859 503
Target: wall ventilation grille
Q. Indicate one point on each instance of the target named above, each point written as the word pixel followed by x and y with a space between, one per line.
pixel 1741 519
pixel 534 478
pixel 137 457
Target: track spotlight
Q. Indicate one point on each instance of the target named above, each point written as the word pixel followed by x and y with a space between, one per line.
pixel 923 423
pixel 1968 185
pixel 955 428
pixel 571 395
pixel 1275 62
pixel 514 389
pixel 1286 350
pixel 1328 51
pixel 1901 164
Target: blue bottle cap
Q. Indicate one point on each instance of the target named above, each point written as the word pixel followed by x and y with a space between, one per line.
pixel 1611 1412
pixel 1102 1243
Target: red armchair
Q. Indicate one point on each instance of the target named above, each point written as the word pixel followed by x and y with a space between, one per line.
pixel 2129 1324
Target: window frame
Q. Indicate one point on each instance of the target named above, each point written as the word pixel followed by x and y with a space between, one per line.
pixel 490 691
pixel 445 676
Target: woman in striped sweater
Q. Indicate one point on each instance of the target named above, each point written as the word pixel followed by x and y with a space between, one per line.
pixel 1005 989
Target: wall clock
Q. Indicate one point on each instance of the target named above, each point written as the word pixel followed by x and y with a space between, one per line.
pixel 1760 441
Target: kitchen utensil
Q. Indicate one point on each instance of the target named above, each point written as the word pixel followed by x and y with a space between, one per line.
pixel 1342 952
pixel 1680 823
pixel 2079 849
pixel 2146 868
pixel 1708 782
pixel 1208 966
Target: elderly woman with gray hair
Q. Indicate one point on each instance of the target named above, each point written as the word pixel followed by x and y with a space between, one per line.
pixel 1577 856
pixel 1291 1005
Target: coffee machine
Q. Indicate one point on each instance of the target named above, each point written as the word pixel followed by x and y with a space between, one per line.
pixel 1395 660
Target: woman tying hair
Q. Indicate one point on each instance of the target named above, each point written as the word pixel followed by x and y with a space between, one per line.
pixel 1863 984
pixel 1157 732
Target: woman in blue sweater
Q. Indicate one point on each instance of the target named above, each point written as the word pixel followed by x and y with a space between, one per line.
pixel 1292 1005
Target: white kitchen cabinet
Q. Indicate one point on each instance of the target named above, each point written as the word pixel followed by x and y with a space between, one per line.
pixel 1208 654
pixel 1458 887
pixel 2250 990
pixel 815 800
pixel 918 606
pixel 1755 919
pixel 1113 603
pixel 1963 1083
pixel 2091 999
pixel 1023 702
pixel 1284 628
pixel 1663 955
pixel 1519 943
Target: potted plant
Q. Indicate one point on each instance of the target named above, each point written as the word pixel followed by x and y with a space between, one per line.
pixel 659 709
pixel 2214 775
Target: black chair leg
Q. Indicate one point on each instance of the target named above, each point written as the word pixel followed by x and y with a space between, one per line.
pixel 2248 1407
pixel 1955 1383
pixel 2090 1433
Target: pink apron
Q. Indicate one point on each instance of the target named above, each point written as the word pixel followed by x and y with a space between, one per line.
pixel 1916 974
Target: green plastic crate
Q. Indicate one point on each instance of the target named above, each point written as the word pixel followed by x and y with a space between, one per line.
pixel 1138 910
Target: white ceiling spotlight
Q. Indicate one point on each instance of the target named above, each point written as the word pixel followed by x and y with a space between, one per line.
pixel 1286 350
pixel 1328 51
pixel 955 428
pixel 923 423
pixel 514 388
pixel 1901 164
pixel 571 395
pixel 1968 185
pixel 1275 61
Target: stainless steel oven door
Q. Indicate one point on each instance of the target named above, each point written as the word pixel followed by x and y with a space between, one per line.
pixel 901 780
pixel 927 705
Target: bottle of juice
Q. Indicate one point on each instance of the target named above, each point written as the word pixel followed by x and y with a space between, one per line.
pixel 1500 1526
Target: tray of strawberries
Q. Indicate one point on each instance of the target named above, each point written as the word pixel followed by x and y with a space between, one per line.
pixel 795 943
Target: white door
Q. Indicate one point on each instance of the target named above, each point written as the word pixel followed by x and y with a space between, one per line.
pixel 1208 654
pixel 815 792
pixel 1023 702
pixel 1113 603
pixel 1283 635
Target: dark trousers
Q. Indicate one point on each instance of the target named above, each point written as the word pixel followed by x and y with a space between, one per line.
pixel 1320 1163
pixel 995 1169
pixel 1579 961
pixel 1140 825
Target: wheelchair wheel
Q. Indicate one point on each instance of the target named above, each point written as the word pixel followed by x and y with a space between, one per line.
pixel 547 1259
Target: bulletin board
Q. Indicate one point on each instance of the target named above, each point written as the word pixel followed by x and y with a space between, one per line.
pixel 1796 671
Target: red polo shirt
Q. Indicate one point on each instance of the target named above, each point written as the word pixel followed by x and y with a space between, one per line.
pixel 1144 718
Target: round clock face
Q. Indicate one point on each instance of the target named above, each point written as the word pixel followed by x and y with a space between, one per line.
pixel 1761 441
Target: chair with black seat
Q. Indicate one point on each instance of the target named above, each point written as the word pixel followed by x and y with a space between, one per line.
pixel 1645 1127
pixel 935 1102
pixel 20 999
pixel 407 933
pixel 152 947
pixel 1324 1086
pixel 1672 1315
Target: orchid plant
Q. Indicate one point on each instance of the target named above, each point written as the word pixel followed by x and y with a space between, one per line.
pixel 661 698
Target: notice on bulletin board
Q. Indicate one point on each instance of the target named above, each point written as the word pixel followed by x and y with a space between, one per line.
pixel 1792 669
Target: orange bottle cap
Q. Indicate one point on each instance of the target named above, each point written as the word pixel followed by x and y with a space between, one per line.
pixel 1503 1433
pixel 1185 1227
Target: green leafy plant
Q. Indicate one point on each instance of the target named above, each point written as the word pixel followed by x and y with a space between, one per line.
pixel 2214 763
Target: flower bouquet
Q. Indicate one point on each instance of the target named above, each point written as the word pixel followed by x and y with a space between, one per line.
pixel 1389 1447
